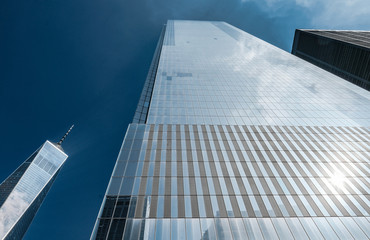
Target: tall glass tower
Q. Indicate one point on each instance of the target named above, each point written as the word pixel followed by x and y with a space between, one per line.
pixel 234 138
pixel 23 192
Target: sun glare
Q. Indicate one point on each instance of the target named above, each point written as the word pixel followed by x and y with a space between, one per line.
pixel 338 179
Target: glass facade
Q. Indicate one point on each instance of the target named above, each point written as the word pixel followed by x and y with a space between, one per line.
pixel 24 190
pixel 344 53
pixel 241 141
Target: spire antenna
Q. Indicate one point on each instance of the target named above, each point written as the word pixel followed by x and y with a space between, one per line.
pixel 65 135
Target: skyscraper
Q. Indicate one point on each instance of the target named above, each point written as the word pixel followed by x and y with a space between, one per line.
pixel 23 192
pixel 235 138
pixel 344 53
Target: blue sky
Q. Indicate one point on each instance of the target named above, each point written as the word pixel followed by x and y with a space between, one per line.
pixel 66 62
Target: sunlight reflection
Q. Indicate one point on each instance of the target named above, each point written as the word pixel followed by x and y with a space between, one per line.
pixel 338 179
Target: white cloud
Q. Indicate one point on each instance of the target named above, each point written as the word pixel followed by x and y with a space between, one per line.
pixel 335 14
pixel 305 3
pixel 342 13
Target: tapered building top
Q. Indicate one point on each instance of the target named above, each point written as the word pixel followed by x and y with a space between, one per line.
pixel 23 192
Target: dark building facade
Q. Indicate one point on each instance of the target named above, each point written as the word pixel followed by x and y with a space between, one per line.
pixel 23 192
pixel 343 53
pixel 234 138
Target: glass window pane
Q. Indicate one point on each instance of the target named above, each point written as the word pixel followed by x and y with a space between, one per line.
pixel 215 208
pixel 229 208
pixel 132 208
pixel 353 228
pixel 135 190
pixel 312 231
pixel 193 229
pixel 161 186
pixel 122 207
pixel 296 228
pixel 160 208
pixel 325 228
pixel 363 224
pixel 178 230
pixel 187 206
pixel 174 209
pixel 173 186
pixel 237 228
pixel 282 228
pixel 208 229
pixel 201 207
pixel 242 208
pixel 149 186
pixel 339 228
pixel 267 228
pixel 163 229
pixel 135 230
pixel 126 186
pixel 252 228
pixel 127 230
pixel 114 186
pixel 131 169
pixel 223 228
